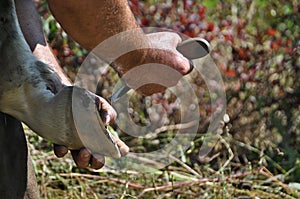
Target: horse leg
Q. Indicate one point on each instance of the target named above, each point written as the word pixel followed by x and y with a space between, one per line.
pixel 17 175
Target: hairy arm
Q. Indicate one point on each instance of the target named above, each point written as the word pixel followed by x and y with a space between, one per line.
pixel 94 21
pixel 91 22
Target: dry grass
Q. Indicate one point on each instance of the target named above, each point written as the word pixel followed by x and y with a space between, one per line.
pixel 59 178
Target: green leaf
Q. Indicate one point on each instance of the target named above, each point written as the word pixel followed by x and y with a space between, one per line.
pixel 287 9
pixel 210 3
pixel 261 3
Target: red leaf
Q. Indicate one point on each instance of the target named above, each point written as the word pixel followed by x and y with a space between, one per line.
pixel 135 6
pixel 230 73
pixel 201 12
pixel 271 32
pixel 55 51
pixel 183 19
pixel 243 54
pixel 289 42
pixel 289 50
pixel 210 26
pixel 275 45
pixel 145 22
pixel 228 37
pixel 189 33
pixel 211 37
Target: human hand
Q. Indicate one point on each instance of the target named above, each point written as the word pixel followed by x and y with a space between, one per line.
pixel 84 157
pixel 152 70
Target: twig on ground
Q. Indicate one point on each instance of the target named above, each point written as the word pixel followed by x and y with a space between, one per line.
pixel 175 127
pixel 133 185
pixel 231 155
pixel 192 171
pixel 253 149
pixel 265 172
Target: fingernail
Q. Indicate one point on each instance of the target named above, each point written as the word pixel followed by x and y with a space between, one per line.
pixel 86 155
pixel 107 119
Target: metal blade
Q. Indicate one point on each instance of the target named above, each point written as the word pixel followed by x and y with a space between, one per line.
pixel 193 48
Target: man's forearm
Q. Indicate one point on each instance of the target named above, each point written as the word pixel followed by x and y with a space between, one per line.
pixel 123 43
pixel 32 29
pixel 91 22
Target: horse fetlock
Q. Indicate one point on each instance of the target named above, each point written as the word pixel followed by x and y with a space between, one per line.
pixel 59 118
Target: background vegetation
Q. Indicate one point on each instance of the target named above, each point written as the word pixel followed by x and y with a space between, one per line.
pixel 256 45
